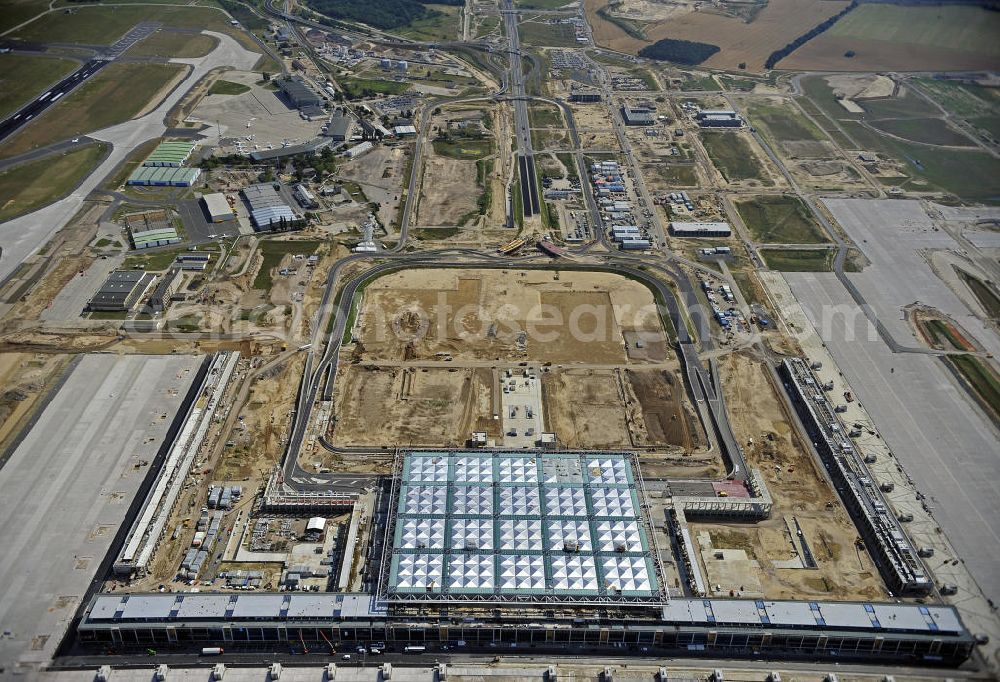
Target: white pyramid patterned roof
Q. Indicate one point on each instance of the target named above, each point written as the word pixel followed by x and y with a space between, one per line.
pixel 613 502
pixel 519 500
pixel 471 572
pixel 626 574
pixel 474 470
pixel 429 469
pixel 521 535
pixel 574 574
pixel 472 499
pixel 472 534
pixel 607 471
pixel 518 469
pixel 571 535
pixel 419 571
pixel 521 572
pixel 426 500
pixel 618 536
pixel 565 502
pixel 422 534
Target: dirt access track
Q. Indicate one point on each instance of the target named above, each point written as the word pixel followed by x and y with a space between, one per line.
pixel 592 318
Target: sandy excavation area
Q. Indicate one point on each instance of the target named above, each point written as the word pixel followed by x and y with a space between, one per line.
pixel 509 315
pixel 801 494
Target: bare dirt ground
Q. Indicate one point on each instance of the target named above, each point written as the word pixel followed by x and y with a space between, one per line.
pixel 664 416
pixel 412 406
pixel 585 409
pixel 557 317
pixel 799 490
pixel 861 86
pixel 25 379
pixel 780 22
pixel 380 173
pixel 445 196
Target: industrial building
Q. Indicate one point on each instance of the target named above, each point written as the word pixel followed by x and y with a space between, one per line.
pixel 679 229
pixel 496 525
pixel 305 198
pixel 896 559
pixel 121 291
pixel 585 96
pixel 718 118
pixel 637 116
pixel 310 147
pixel 150 229
pixel 168 285
pixel 340 126
pixel 170 154
pixel 192 261
pixel 910 634
pixel 403 131
pixel 358 150
pixel 299 92
pixel 217 207
pixel 164 176
pixel 268 209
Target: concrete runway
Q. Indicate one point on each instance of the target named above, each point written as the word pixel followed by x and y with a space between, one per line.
pixel 66 489
pixel 933 427
pixel 22 237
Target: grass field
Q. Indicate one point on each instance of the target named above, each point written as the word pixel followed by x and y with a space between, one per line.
pixel 984 381
pixel 360 87
pixel 547 35
pixel 30 186
pixel 896 37
pixel 926 130
pixel 444 24
pixel 272 253
pixel 780 220
pixel 540 4
pixel 986 296
pixel 89 24
pixel 23 77
pixel 544 116
pixel 169 44
pixel 707 83
pixel 962 99
pixel 465 149
pixel 158 261
pixel 678 175
pixel 784 123
pixel 115 94
pixel 733 156
pixel 811 260
pixel 228 88
pixel 18 11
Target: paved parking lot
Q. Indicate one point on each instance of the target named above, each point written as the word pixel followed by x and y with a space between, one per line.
pixel 197 226
pixel 936 432
pixel 66 489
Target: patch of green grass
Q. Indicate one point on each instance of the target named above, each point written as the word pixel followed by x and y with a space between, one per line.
pixel 518 208
pixel 780 220
pixel 113 95
pixel 547 35
pixel 171 44
pixel 962 99
pixel 943 335
pixel 464 148
pixel 984 293
pixel 784 123
pixel 355 88
pixel 569 161
pixel 484 172
pixel 812 260
pixel 733 156
pixel 24 77
pixel 432 233
pixel 158 260
pixel 673 174
pixel 541 4
pixel 970 175
pixel 30 186
pixel 926 130
pixel 962 28
pixel 544 116
pixel 228 88
pixel 706 83
pixel 108 315
pixel 982 378
pixel 443 23
pixel 19 11
pixel 273 251
pixel 990 124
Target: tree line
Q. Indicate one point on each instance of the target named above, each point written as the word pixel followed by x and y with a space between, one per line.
pixel 679 51
pixel 385 14
pixel 778 55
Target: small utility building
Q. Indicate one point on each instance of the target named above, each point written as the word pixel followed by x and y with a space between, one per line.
pixel 217 207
